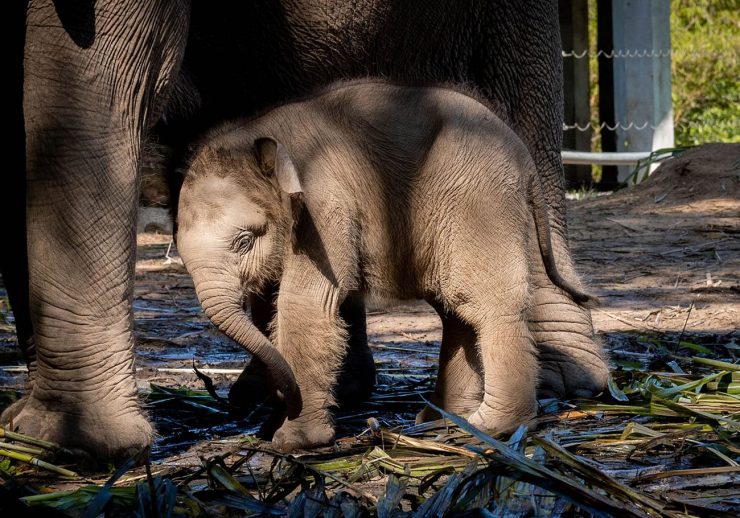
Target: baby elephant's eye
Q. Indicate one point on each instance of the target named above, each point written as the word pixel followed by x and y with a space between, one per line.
pixel 243 242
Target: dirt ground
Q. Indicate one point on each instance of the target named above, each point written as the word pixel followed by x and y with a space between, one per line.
pixel 653 251
pixel 663 257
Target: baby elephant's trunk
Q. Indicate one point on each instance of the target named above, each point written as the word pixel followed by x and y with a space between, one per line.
pixel 542 223
pixel 222 304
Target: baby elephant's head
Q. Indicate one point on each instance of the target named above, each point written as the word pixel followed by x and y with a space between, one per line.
pixel 234 223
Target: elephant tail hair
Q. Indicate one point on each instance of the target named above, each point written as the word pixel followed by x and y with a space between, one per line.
pixel 542 224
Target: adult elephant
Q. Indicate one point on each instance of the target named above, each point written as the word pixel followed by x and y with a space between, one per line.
pixel 96 76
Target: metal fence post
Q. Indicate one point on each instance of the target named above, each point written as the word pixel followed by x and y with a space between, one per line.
pixel 574 37
pixel 642 75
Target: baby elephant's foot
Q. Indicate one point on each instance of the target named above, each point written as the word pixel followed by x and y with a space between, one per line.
pixel 305 432
pixel 356 380
pixel 427 414
pixel 251 387
pixel 462 408
pixel 493 420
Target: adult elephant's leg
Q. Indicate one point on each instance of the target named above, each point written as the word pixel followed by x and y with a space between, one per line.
pixel 459 387
pixel 525 85
pixel 94 75
pixel 14 263
pixel 518 66
pixel 572 362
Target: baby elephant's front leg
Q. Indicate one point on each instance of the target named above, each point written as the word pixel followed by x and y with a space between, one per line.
pixel 312 338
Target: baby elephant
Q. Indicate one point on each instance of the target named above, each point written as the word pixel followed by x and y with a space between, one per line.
pixel 381 191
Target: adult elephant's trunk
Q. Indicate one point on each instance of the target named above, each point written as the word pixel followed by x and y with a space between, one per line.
pixel 221 298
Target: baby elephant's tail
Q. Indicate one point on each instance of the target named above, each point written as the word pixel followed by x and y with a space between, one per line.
pixel 542 224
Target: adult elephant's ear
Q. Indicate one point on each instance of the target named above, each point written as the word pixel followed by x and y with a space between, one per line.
pixel 274 160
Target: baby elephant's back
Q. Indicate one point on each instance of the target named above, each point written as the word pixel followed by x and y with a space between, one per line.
pixel 430 163
pixel 440 155
pixel 473 150
pixel 429 139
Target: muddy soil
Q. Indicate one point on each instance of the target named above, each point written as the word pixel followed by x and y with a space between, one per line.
pixel 663 257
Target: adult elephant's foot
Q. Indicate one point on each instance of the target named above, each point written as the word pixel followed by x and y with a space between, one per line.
pixel 567 372
pixel 15 408
pixel 305 432
pixel 7 417
pixel 572 360
pixel 102 431
pixel 29 351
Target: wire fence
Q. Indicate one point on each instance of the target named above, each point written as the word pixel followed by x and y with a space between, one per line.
pixel 592 126
pixel 604 158
pixel 619 54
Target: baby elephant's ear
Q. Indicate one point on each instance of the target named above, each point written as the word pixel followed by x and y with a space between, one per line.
pixel 273 159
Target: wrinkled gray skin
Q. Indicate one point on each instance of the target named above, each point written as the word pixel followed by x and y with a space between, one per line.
pixel 89 79
pixel 384 192
pixel 91 84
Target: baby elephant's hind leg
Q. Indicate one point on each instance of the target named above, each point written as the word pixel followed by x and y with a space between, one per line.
pixel 459 387
pixel 498 312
